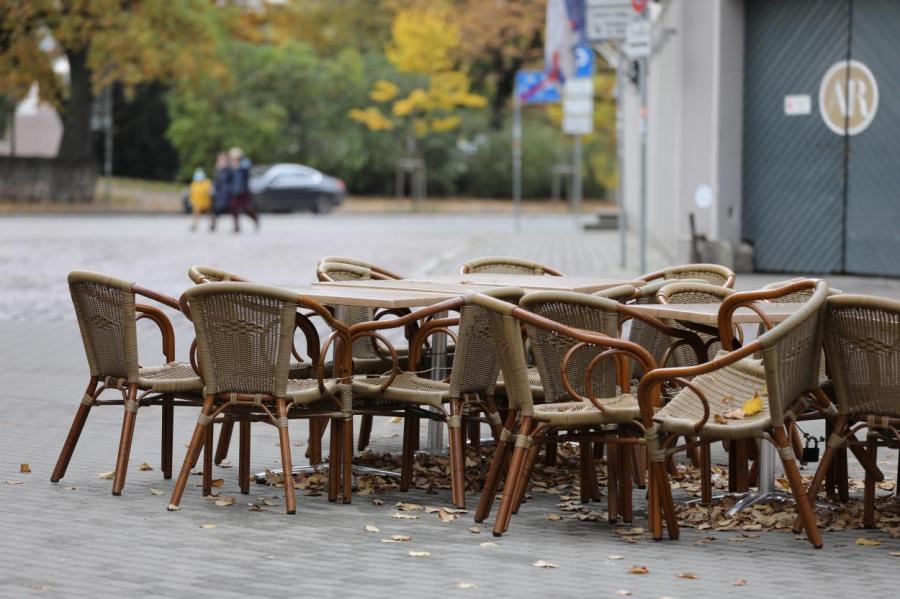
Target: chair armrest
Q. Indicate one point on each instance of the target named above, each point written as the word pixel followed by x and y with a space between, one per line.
pixel 747 299
pixel 440 325
pixel 165 328
pixel 156 296
pixel 689 338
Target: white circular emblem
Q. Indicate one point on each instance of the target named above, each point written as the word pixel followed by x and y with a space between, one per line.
pixel 848 97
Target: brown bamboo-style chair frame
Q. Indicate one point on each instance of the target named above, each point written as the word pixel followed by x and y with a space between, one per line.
pixel 785 387
pixel 109 331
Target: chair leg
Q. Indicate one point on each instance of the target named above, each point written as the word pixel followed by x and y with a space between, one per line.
pixel 493 417
pixel 625 483
pixel 415 440
pixel 68 447
pixel 365 432
pixel 639 463
pixel 495 470
pixel 244 455
pixel 317 427
pixel 208 461
pixel 224 440
pixel 530 460
pixel 168 429
pixel 793 474
pixel 842 479
pixel 693 452
pixel 838 430
pixel 474 430
pixel 501 524
pixel 334 460
pixel 131 407
pixel 190 458
pixel 613 479
pixel 457 455
pixel 869 489
pixel 347 459
pixel 290 497
pixel 705 473
pixel 407 458
pixel 551 447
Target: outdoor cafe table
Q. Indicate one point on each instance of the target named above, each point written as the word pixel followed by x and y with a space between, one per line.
pixel 425 291
pixel 708 314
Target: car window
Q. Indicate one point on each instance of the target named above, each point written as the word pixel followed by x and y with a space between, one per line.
pixel 291 179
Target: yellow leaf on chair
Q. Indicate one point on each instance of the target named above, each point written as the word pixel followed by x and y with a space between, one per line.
pixel 752 406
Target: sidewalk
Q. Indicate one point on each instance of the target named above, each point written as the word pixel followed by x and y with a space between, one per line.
pixel 76 540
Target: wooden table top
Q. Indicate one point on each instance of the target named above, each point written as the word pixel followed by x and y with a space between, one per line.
pixel 709 313
pixel 459 284
pixel 373 297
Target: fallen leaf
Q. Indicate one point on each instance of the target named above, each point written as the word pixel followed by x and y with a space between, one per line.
pixel 372 528
pixel 207 525
pixel 377 502
pixel 218 482
pixel 687 575
pixel 740 582
pixel 638 570
pixel 395 420
pixel 474 530
pixel 488 545
pixel 408 507
pixel 255 508
pixel 623 593
pixel 542 564
pixel 719 420
pixel 419 553
pixel 145 466
pixel 401 538
pixel 445 516
pixel 737 414
pixel 402 516
pixel 895 553
pixel 155 491
pixel 466 585
pixel 868 542
pixel 553 517
pixel 752 406
pixel 15 482
pixel 614 557
pixel 24 469
pixel 106 475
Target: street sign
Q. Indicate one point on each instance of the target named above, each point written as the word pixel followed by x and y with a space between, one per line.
pixel 607 20
pixel 534 87
pixel 637 39
pixel 578 106
pixel 797 105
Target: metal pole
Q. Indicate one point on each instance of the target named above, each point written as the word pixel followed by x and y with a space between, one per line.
pixel 620 164
pixel 517 163
pixel 576 175
pixel 642 82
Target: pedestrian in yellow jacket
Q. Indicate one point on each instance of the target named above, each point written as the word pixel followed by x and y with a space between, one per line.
pixel 200 196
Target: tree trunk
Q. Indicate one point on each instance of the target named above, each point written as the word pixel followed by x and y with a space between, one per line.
pixel 76 116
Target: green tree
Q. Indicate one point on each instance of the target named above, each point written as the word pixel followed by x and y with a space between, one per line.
pixel 103 41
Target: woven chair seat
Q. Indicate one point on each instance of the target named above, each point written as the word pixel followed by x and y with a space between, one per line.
pixel 725 389
pixel 407 387
pixel 534 381
pixel 303 391
pixel 174 377
pixel 621 408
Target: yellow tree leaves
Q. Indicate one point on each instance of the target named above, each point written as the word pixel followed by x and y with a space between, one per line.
pixel 423 49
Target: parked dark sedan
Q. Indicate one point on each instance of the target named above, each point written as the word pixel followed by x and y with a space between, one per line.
pixel 291 187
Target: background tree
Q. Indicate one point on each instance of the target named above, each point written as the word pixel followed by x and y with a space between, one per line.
pixel 103 41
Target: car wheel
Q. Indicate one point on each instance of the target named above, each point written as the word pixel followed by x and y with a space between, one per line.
pixel 323 205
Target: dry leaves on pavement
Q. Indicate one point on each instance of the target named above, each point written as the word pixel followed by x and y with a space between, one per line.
pixel 544 564
pixel 155 491
pixel 466 585
pixel 207 525
pixel 106 475
pixel 372 528
pixel 419 553
pixel 24 469
pixel 225 501
pixel 145 466
pixel 638 570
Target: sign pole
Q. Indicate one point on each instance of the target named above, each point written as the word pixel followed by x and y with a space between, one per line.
pixel 576 175
pixel 620 152
pixel 517 163
pixel 643 114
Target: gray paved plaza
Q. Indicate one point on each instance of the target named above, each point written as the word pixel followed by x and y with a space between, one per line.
pixel 75 539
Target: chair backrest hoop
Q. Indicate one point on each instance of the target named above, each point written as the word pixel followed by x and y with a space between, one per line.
pixel 507 265
pixel 208 274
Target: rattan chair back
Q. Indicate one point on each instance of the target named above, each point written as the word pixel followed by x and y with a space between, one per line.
pixel 692 293
pixel 475 364
pixel 714 274
pixel 207 274
pixel 791 353
pixel 508 266
pixel 350 315
pixel 105 309
pixel 580 311
pixel 862 341
pixel 375 269
pixel 244 336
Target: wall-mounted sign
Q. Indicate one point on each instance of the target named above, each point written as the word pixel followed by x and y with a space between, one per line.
pixel 703 196
pixel 607 20
pixel 797 105
pixel 848 97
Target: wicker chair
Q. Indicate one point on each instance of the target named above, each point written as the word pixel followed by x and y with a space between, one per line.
pixel 580 387
pixel 714 274
pixel 207 274
pixel 507 266
pixel 862 343
pixel 788 370
pixel 107 314
pixel 691 293
pixel 377 271
pixel 245 338
pixel 470 387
